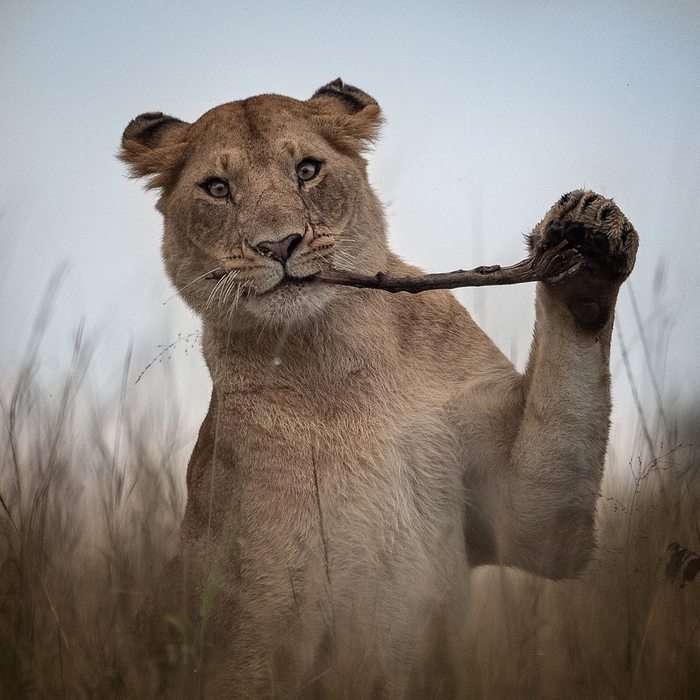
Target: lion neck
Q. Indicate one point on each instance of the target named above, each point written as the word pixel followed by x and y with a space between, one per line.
pixel 351 330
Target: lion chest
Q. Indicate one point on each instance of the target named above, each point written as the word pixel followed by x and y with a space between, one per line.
pixel 333 515
pixel 303 489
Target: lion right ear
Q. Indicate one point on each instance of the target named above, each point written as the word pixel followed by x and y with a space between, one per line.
pixel 153 145
pixel 349 117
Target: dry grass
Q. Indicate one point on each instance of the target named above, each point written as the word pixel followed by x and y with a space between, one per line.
pixel 91 496
pixel 630 628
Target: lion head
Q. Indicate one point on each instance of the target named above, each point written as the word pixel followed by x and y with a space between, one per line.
pixel 258 196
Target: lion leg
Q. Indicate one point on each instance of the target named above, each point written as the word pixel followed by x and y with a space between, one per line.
pixel 558 452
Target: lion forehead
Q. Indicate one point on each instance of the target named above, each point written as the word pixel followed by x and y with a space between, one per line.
pixel 272 119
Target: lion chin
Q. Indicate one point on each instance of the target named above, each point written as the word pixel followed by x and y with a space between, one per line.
pixel 290 302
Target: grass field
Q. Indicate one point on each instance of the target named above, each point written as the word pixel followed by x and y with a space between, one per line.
pixel 92 491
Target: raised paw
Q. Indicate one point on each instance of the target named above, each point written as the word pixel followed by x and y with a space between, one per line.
pixel 599 232
pixel 593 226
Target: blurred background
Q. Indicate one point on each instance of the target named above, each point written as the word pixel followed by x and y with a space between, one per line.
pixel 493 111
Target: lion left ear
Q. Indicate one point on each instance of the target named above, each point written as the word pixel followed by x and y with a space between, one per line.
pixel 153 145
pixel 350 117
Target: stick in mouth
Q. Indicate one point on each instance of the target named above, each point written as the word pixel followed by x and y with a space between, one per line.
pixel 551 266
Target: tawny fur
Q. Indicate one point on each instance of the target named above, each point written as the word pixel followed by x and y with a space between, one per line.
pixel 362 449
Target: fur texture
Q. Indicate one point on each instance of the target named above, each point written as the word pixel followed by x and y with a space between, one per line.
pixel 361 449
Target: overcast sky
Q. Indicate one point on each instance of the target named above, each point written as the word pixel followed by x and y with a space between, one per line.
pixel 493 110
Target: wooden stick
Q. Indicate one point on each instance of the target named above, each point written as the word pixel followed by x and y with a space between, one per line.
pixel 551 266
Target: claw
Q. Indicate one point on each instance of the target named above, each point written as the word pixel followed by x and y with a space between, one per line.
pixel 589 200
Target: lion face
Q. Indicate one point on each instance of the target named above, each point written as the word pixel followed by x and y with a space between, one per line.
pixel 258 196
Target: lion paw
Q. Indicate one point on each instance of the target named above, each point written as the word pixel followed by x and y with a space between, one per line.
pixel 596 229
pixel 593 226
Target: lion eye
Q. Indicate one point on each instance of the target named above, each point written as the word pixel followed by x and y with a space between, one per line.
pixel 308 169
pixel 216 187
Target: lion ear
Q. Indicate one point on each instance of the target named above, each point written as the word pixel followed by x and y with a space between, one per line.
pixel 153 145
pixel 349 117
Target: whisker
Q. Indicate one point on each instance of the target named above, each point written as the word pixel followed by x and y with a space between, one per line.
pixel 228 287
pixel 343 259
pixel 189 284
pixel 216 288
pixel 234 304
pixel 222 291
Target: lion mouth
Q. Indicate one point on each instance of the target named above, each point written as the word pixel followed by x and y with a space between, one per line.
pixel 289 282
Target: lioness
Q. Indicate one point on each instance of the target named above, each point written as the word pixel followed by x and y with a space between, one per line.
pixel 362 450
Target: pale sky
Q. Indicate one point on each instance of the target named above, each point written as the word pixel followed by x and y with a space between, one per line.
pixel 493 110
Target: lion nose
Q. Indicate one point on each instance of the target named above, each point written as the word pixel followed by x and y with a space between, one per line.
pixel 279 250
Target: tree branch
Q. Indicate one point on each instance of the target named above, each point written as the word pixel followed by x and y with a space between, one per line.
pixel 551 266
